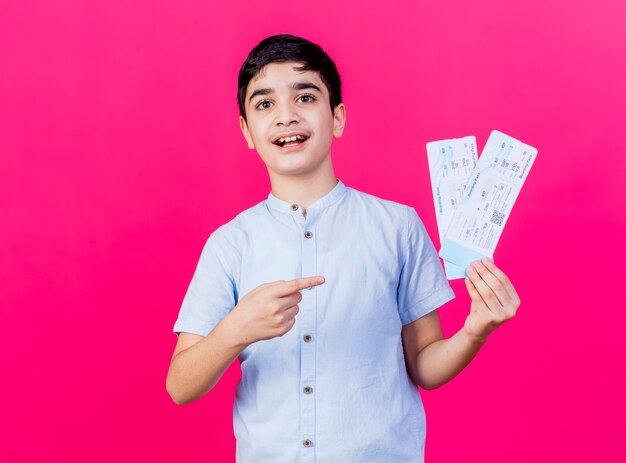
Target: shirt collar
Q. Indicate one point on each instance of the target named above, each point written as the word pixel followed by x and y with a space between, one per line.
pixel 329 198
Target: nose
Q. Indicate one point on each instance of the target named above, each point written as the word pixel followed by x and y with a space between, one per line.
pixel 286 114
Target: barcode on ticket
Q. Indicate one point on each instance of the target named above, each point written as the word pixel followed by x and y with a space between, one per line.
pixel 497 218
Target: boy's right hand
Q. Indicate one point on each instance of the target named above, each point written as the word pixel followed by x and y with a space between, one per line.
pixel 269 310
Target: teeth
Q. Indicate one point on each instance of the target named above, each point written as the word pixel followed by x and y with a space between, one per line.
pixel 290 139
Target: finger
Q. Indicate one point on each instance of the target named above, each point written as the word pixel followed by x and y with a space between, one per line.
pixel 269 283
pixel 490 299
pixel 286 326
pixel 289 324
pixel 493 282
pixel 292 311
pixel 291 286
pixel 502 277
pixel 290 299
pixel 473 292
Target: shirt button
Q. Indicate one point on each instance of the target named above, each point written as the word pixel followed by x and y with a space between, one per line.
pixel 307 338
pixel 307 390
pixel 307 442
pixel 294 207
pixel 308 234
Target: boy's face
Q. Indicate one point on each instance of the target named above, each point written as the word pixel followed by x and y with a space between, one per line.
pixel 280 102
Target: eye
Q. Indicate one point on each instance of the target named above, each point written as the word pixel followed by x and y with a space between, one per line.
pixel 308 98
pixel 262 104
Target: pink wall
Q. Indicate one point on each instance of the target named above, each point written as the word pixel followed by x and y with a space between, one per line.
pixel 120 152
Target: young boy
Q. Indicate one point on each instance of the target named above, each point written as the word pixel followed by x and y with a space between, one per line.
pixel 327 295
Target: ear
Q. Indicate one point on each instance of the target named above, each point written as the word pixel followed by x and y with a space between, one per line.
pixel 246 133
pixel 339 120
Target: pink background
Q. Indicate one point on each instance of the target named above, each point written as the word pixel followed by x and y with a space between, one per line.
pixel 120 152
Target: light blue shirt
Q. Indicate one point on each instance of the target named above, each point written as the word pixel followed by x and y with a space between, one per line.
pixel 335 387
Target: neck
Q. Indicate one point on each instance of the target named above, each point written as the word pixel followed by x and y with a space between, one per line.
pixel 303 189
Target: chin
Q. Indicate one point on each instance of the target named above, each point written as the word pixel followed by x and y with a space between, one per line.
pixel 296 168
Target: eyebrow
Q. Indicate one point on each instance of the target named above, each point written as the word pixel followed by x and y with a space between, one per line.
pixel 295 86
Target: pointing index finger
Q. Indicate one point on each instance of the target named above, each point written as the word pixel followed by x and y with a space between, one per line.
pixel 298 284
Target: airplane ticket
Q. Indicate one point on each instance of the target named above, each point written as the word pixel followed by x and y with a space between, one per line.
pixel 450 163
pixel 483 210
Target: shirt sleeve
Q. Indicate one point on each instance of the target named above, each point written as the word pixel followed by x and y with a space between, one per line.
pixel 422 286
pixel 212 293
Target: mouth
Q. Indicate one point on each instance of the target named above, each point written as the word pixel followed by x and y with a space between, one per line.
pixel 291 141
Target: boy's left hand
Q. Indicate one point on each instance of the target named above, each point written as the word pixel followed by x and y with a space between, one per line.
pixel 494 299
